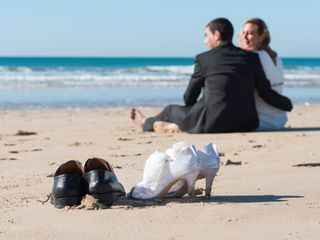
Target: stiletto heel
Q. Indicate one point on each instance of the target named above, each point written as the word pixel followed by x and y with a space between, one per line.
pixel 209 165
pixel 191 181
pixel 209 174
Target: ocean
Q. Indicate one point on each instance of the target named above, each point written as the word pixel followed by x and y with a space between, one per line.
pixel 37 82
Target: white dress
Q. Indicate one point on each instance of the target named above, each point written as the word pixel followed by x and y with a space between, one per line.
pixel 271 118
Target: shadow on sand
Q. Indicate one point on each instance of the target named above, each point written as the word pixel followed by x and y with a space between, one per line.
pixel 297 129
pixel 128 203
pixel 253 198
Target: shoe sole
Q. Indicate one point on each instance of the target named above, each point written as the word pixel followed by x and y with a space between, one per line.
pixel 64 202
pixel 107 198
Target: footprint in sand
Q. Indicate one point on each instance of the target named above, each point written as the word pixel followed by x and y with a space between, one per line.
pixel 25 133
pixel 258 146
pixel 125 155
pixel 125 139
pixel 14 152
pixel 9 144
pixel 36 150
pixel 229 162
pixel 148 142
pixel 77 144
pixel 9 159
pixel 118 167
pixel 307 165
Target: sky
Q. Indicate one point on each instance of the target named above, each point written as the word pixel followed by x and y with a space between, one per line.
pixel 148 28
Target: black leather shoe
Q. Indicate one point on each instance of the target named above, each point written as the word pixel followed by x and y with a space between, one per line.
pixel 101 181
pixel 68 185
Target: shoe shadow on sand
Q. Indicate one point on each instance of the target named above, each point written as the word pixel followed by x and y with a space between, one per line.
pixel 218 199
pixel 294 129
pixel 253 198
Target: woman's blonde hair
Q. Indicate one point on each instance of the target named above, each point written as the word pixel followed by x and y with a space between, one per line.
pixel 263 29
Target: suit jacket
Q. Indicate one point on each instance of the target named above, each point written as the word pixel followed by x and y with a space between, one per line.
pixel 227 76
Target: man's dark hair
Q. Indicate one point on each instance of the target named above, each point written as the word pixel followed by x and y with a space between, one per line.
pixel 224 27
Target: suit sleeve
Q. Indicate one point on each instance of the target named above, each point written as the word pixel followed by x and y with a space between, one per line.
pixel 265 91
pixel 194 87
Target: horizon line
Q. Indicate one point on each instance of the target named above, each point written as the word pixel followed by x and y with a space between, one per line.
pixel 90 56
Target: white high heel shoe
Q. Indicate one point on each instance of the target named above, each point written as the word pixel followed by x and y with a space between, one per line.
pixel 208 166
pixel 161 172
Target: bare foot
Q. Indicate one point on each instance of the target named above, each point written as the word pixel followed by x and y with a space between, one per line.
pixel 165 127
pixel 137 117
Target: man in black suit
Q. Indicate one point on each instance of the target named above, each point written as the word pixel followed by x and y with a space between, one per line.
pixel 228 77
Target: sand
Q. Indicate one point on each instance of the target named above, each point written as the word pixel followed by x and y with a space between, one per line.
pixel 264 197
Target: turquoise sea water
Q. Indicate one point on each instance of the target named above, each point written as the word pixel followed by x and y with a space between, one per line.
pixel 122 82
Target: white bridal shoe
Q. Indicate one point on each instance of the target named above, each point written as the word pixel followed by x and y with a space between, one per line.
pixel 209 164
pixel 161 172
pixel 173 174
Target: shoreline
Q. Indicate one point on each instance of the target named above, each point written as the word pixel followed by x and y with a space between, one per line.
pixel 265 197
pixel 102 107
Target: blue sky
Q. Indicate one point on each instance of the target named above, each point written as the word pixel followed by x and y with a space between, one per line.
pixel 148 27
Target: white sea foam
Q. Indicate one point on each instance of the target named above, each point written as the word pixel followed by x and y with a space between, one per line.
pixel 86 80
pixel 19 77
pixel 172 69
pixel 149 76
pixel 302 76
pixel 15 69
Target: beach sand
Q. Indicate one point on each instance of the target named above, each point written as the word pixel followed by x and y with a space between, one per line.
pixel 265 197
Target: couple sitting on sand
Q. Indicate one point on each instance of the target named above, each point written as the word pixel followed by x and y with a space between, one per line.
pixel 241 88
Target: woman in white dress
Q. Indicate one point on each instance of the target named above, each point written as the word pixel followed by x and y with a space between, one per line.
pixel 255 36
